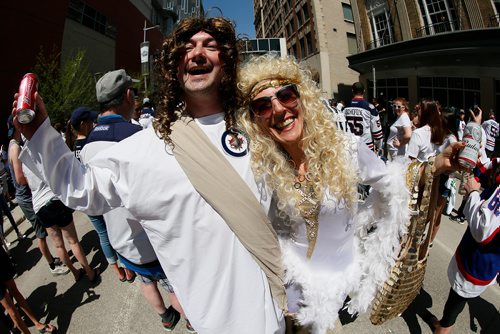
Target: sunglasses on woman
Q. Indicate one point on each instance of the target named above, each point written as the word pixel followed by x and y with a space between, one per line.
pixel 286 95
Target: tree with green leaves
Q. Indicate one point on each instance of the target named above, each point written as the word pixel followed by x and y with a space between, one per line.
pixel 64 83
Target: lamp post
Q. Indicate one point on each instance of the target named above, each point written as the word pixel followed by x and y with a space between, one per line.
pixel 144 49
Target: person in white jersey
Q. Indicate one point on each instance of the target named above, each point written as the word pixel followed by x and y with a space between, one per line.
pixel 363 119
pixel 490 127
pixel 224 282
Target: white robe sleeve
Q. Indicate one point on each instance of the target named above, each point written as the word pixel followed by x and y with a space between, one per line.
pixel 93 190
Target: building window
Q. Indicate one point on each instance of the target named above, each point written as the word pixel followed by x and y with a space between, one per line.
pixel 352 44
pixel 80 12
pixel 388 89
pixel 380 24
pixel 347 12
pixel 303 51
pixel 309 43
pixel 305 10
pixel 451 91
pixel 299 18
pixel 439 16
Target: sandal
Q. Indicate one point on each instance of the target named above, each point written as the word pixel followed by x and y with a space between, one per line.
pixel 97 274
pixel 48 328
pixel 132 278
pixel 124 277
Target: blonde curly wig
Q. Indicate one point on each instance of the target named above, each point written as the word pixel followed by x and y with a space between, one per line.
pixel 328 166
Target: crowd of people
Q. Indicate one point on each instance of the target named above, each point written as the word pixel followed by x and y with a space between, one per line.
pixel 242 197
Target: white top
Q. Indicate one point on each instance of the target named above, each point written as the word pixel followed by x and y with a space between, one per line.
pixel 420 146
pixel 146 121
pixel 338 266
pixel 220 286
pixel 396 131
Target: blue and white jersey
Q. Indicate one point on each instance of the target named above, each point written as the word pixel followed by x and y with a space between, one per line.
pixel 490 127
pixel 363 121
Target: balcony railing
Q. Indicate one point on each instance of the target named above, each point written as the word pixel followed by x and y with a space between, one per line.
pixel 495 20
pixel 437 28
pixel 379 42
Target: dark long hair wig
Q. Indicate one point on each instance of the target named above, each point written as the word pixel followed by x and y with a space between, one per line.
pixel 171 95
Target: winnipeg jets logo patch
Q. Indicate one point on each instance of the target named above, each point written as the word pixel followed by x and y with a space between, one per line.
pixel 235 143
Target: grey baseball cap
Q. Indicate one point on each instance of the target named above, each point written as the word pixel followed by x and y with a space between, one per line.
pixel 111 85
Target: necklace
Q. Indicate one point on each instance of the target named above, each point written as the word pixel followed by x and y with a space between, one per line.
pixel 308 207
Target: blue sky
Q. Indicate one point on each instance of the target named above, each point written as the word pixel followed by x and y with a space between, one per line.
pixel 240 11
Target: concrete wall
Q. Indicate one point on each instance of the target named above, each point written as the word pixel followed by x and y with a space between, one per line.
pixel 99 49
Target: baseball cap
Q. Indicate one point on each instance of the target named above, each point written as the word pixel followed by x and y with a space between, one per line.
pixel 82 114
pixel 111 85
pixel 461 111
pixel 146 100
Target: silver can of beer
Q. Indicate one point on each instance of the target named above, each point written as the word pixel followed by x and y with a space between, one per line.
pixel 468 156
pixel 25 110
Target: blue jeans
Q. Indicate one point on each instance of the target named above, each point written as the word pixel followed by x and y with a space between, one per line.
pixel 102 232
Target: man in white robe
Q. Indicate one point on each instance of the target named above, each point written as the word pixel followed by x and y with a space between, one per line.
pixel 218 282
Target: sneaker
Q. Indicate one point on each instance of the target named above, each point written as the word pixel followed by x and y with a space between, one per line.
pixel 171 319
pixel 461 220
pixel 59 269
pixel 189 328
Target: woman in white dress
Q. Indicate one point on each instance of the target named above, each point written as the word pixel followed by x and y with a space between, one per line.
pixel 400 130
pixel 313 170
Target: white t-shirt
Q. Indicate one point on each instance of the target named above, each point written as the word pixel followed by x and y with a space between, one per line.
pixel 420 146
pixel 396 131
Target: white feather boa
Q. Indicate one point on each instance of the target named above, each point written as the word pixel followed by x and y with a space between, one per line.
pixel 375 253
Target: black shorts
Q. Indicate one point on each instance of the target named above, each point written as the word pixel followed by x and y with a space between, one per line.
pixel 55 213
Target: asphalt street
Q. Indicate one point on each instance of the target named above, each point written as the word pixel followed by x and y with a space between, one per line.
pixel 111 306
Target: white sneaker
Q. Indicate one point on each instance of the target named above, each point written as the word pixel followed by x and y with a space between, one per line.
pixel 60 269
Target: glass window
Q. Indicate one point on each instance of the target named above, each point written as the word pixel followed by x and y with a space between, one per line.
pixel 303 51
pixel 253 45
pixel 299 18
pixel 347 12
pixel 440 82
pixel 439 15
pixel 274 44
pixel 352 44
pixel 305 10
pixel 309 43
pixel 263 44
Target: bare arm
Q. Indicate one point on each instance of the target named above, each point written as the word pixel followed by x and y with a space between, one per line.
pixel 16 164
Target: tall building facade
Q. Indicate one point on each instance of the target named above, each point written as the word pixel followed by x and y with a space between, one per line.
pixel 442 49
pixel 109 31
pixel 320 33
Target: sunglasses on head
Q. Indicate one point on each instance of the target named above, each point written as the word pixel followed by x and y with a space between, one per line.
pixel 286 95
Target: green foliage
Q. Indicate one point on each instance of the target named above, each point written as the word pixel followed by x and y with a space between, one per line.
pixel 64 87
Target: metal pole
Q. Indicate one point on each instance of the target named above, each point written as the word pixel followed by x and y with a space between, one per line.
pixel 374 82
